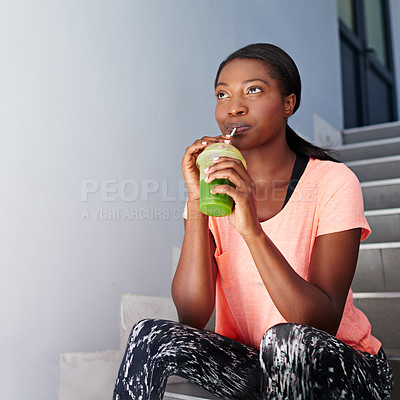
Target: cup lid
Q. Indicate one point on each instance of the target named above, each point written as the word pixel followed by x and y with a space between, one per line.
pixel 219 150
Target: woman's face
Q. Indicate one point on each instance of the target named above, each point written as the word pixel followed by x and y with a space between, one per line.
pixel 249 100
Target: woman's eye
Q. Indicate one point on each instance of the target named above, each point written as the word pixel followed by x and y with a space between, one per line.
pixel 254 89
pixel 221 95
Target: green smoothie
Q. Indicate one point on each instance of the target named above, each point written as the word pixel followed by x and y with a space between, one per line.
pixel 219 204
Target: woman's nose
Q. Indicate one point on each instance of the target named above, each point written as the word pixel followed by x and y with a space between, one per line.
pixel 237 107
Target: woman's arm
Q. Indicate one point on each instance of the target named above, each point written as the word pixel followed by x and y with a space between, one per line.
pixel 318 302
pixel 193 286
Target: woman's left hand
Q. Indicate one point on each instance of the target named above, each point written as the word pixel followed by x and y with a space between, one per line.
pixel 244 215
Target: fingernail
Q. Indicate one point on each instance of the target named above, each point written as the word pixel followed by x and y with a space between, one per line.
pixel 203 142
pixel 215 158
pixel 227 141
pixel 206 179
pixel 206 170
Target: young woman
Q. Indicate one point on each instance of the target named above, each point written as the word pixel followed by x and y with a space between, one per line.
pixel 278 269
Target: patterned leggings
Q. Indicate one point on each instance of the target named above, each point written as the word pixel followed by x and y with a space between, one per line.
pixel 295 362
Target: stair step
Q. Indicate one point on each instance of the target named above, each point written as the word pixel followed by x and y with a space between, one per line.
pixel 187 391
pixel 376 168
pixel 378 268
pixel 392 354
pixel 385 225
pixel 371 132
pixel 88 375
pixel 395 364
pixel 371 149
pixel 134 308
pixel 382 310
pixel 381 194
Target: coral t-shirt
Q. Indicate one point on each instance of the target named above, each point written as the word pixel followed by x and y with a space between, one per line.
pixel 327 199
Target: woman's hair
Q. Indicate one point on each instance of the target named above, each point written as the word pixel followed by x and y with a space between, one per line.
pixel 282 68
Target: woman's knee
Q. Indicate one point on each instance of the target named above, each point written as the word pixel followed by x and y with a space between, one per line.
pixel 149 330
pixel 289 344
pixel 281 334
pixel 148 324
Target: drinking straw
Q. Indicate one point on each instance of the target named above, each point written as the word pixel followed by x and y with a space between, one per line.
pixel 233 131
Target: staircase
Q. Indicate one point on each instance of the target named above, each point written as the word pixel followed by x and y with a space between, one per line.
pixel 373 153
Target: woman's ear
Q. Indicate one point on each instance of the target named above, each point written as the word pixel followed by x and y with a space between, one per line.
pixel 289 103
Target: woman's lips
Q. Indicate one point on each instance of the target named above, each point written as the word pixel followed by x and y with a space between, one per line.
pixel 240 128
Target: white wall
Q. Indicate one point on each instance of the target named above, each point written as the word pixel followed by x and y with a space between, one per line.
pixel 104 91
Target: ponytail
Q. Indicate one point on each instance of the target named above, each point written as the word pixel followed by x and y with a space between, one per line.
pixel 300 145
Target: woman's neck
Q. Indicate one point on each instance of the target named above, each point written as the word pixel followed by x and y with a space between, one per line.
pixel 270 162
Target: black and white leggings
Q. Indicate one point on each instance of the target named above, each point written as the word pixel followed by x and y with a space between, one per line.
pixel 295 362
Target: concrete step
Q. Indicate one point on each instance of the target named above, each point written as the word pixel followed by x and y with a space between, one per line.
pixel 372 132
pixel 393 356
pixel 378 268
pixel 376 168
pixel 88 376
pixel 382 310
pixel 385 225
pixel 187 391
pixel 371 149
pixel 134 308
pixel 395 364
pixel 381 194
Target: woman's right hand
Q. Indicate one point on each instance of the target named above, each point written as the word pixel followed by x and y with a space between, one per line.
pixel 189 168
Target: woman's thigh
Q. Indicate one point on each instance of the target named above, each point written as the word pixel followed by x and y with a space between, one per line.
pixel 305 363
pixel 158 348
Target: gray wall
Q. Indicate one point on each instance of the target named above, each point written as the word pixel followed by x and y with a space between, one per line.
pixel 98 100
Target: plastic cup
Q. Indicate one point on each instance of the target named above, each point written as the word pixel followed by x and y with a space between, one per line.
pixel 219 204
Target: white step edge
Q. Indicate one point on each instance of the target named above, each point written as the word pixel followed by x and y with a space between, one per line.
pixel 369 143
pixel 379 246
pixel 371 127
pixel 381 182
pixel 369 161
pixel 376 295
pixel 184 396
pixel 392 354
pixel 385 211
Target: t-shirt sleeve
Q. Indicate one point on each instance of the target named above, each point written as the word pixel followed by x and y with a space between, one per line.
pixel 184 214
pixel 341 205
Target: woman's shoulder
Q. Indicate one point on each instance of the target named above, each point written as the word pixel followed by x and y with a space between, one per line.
pixel 332 173
pixel 334 181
